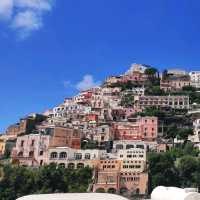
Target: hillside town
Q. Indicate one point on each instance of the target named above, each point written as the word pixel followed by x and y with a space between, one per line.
pixel 112 128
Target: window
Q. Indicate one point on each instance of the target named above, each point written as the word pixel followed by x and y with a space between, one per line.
pixel 31 153
pixel 87 156
pixel 53 155
pixel 63 155
pixel 20 154
pixel 41 153
pixel 32 142
pixel 41 162
pixel 129 146
pixel 78 156
pixel 22 143
pixel 119 146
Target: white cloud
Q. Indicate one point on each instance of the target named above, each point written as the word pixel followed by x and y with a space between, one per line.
pixel 44 5
pixel 25 16
pixel 86 83
pixel 26 22
pixel 6 9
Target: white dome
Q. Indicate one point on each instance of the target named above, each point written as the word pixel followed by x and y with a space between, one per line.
pixel 173 193
pixel 73 196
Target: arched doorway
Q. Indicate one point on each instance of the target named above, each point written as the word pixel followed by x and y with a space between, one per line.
pixel 71 165
pixel 100 190
pixel 123 190
pixel 112 190
pixel 80 165
pixel 137 191
pixel 62 165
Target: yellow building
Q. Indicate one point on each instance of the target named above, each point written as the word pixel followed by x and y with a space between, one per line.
pixel 2 145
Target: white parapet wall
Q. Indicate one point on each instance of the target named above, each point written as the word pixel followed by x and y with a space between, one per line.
pixel 73 196
pixel 173 193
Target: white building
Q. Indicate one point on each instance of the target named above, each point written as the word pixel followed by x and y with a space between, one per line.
pixel 195 78
pixel 74 158
pixel 196 130
pixel 177 72
pixel 137 68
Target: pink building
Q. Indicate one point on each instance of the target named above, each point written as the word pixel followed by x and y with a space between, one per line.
pixel 141 128
pixel 175 83
pixel 135 77
pixel 31 150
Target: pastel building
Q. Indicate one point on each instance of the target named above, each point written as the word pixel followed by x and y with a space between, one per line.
pixel 107 176
pixel 74 158
pixel 195 138
pixel 137 68
pixel 174 102
pixel 141 128
pixel 124 174
pixel 175 83
pixel 195 78
pixel 30 150
pixel 7 143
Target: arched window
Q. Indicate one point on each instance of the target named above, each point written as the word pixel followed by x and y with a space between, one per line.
pixel 63 155
pixel 54 155
pixel 20 154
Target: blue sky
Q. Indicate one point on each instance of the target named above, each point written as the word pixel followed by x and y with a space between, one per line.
pixel 49 49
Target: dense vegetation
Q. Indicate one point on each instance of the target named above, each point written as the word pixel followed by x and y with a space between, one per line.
pixel 178 167
pixel 19 181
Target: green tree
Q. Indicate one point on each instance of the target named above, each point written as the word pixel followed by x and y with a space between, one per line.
pixel 162 170
pixel 172 132
pixel 187 166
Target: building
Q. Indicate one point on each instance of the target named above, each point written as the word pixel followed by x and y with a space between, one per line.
pixel 177 72
pixel 174 102
pixel 195 138
pixel 141 128
pixel 31 150
pixel 175 83
pixel 195 78
pixel 107 176
pixel 26 125
pixel 62 136
pixel 124 172
pixel 6 145
pixel 112 80
pixel 137 68
pixel 74 158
